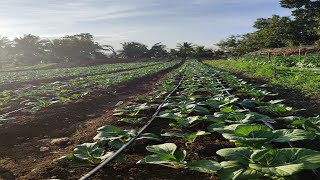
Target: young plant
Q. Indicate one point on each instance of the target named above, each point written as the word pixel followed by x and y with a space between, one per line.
pixel 117 137
pixel 132 110
pixel 245 163
pixel 87 154
pixel 168 155
pixel 189 137
pixel 257 136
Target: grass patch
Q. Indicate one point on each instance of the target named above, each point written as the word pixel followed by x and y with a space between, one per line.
pixel 288 77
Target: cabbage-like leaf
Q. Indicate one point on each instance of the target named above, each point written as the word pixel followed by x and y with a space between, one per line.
pixel 165 154
pixel 284 162
pixel 246 163
pixel 87 154
pixel 259 135
pixel 205 166
pixel 189 137
pixel 117 137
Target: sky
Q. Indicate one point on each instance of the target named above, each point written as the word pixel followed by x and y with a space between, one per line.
pixel 202 22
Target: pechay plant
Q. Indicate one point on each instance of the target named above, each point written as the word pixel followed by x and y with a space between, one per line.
pixel 257 136
pixel 168 155
pixel 116 137
pixel 189 137
pixel 87 154
pixel 246 163
pixel 132 110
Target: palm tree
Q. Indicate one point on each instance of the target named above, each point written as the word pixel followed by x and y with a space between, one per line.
pixel 134 50
pixel 202 52
pixel 185 49
pixel 5 45
pixel 110 48
pixel 158 50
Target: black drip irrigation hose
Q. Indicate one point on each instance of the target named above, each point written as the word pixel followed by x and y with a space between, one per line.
pixel 17 110
pixel 119 151
pixel 268 123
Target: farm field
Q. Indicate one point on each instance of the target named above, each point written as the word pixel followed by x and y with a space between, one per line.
pixel 304 80
pixel 160 90
pixel 208 120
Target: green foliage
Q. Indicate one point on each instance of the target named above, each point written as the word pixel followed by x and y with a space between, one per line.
pixel 246 163
pixel 258 136
pixel 168 155
pixel 304 80
pixel 87 154
pixel 117 137
pixel 134 50
pixel 276 31
pixel 189 137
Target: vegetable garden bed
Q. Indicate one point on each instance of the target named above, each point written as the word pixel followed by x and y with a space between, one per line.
pixel 205 133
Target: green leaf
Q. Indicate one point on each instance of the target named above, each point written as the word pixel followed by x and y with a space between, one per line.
pixel 167 148
pixel 253 131
pixel 189 137
pixel 309 126
pixel 169 115
pixel 222 129
pixel 205 166
pixel 240 154
pixel 166 154
pixel 286 161
pixel 213 103
pixel 236 171
pixel 149 136
pixel 287 135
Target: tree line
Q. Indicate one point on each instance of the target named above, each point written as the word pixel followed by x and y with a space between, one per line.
pixel 302 28
pixel 31 50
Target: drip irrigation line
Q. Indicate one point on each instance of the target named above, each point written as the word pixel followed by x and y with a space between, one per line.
pixel 17 110
pixel 125 146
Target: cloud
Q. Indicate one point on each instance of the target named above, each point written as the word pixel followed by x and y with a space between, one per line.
pixel 114 21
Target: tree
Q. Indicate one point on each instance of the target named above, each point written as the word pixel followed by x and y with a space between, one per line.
pixel 110 48
pixel 185 49
pixel 306 14
pixel 173 54
pixel 76 48
pixel 230 44
pixel 5 45
pixel 158 50
pixel 28 49
pixel 202 52
pixel 134 50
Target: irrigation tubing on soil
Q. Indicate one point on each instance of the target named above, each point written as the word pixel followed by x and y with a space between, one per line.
pixel 119 151
pixel 17 110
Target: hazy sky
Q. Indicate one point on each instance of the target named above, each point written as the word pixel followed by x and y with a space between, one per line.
pixel 148 21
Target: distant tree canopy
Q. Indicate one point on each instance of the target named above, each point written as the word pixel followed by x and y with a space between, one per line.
pixel 30 50
pixel 275 32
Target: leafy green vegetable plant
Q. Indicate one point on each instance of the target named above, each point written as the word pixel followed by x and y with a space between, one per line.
pixel 258 136
pixel 87 154
pixel 116 137
pixel 168 155
pixel 189 137
pixel 245 163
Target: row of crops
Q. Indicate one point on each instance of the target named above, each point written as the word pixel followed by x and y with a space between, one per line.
pixel 303 61
pixel 24 76
pixel 37 97
pixel 215 125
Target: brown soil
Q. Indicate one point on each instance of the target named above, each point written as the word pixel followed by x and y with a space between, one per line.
pixel 23 137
